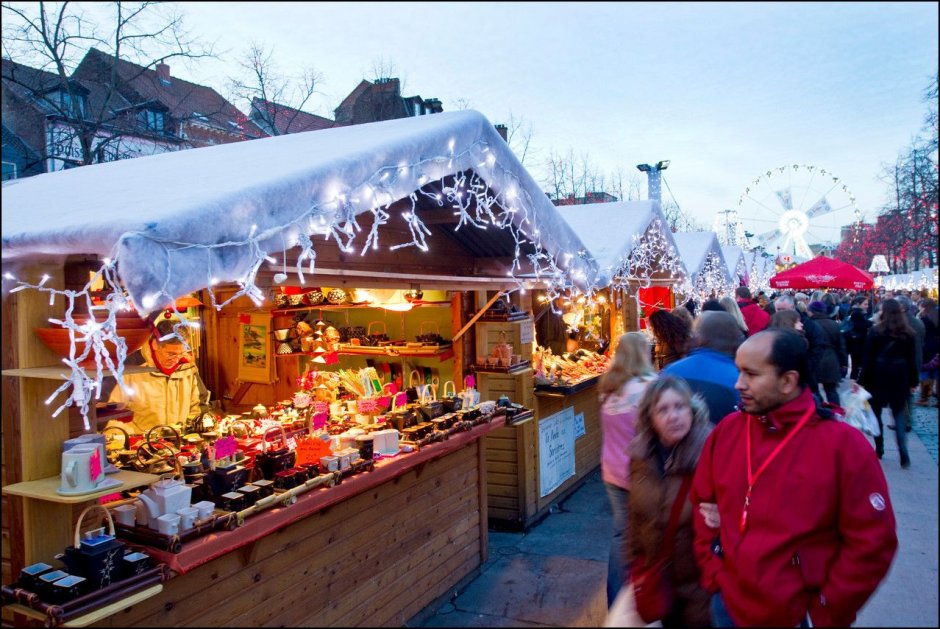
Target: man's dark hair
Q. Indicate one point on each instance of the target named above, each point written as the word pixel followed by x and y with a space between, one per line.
pixel 859 300
pixel 717 331
pixel 164 327
pixel 788 352
pixel 713 305
pixel 743 292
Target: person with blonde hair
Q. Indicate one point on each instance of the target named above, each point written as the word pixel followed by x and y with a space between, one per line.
pixel 732 308
pixel 621 388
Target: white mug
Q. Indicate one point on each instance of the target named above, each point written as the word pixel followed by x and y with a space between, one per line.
pixel 76 469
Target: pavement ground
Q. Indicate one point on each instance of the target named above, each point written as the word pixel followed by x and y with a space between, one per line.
pixel 554 575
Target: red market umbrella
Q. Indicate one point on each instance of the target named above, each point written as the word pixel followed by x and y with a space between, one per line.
pixel 823 272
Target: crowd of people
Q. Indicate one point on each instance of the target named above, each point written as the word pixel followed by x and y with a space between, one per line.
pixel 739 498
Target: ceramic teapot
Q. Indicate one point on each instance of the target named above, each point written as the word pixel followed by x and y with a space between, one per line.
pixel 167 495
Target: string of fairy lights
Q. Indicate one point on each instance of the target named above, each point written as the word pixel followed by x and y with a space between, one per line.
pixel 474 201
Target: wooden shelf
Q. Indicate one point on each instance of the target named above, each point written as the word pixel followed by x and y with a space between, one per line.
pixel 390 352
pixel 94 615
pixel 45 489
pixel 291 310
pixel 63 372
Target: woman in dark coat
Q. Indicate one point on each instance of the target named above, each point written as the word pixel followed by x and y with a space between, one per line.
pixel 855 331
pixel 889 372
pixel 671 430
pixel 833 361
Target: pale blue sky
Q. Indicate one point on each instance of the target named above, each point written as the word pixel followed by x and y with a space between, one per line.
pixel 725 91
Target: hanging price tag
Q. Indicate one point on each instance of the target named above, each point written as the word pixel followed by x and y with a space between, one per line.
pixel 94 465
pixel 225 447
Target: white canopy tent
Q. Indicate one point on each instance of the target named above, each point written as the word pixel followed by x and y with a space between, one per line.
pixel 630 242
pixel 706 269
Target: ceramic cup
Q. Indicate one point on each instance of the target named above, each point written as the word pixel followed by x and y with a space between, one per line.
pixel 125 514
pixel 205 508
pixel 187 517
pixel 76 469
pixel 168 524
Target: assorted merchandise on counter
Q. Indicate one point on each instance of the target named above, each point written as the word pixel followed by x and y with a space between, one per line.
pixel 569 369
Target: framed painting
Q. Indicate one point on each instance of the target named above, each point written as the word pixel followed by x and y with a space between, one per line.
pixel 255 349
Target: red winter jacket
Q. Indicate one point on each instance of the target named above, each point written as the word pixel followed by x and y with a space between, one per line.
pixel 820 533
pixel 755 317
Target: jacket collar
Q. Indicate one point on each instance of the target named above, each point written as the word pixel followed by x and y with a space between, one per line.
pixel 791 412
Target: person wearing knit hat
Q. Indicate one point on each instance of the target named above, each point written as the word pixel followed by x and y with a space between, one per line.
pixel 833 361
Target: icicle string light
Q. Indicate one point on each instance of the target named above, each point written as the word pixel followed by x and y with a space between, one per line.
pixel 469 194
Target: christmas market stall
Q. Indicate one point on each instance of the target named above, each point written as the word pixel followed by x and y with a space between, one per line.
pixel 337 286
pixel 737 264
pixel 920 280
pixel 535 462
pixel 760 267
pixel 708 274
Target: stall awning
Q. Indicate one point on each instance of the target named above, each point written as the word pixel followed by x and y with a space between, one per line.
pixel 179 221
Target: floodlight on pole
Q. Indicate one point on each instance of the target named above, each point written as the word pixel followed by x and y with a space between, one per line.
pixel 653 179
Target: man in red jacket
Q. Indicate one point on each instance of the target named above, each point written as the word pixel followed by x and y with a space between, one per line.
pixel 804 524
pixel 755 317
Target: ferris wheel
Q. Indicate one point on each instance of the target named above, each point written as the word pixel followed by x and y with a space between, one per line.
pixel 787 208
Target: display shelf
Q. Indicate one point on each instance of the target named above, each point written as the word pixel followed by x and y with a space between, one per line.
pixel 564 390
pixel 292 309
pixel 389 351
pixel 63 372
pixel 95 615
pixel 45 489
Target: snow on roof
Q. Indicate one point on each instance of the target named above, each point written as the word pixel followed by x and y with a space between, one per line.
pixel 733 256
pixel 694 248
pixel 177 219
pixel 608 230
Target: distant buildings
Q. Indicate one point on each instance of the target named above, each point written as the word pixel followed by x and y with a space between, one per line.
pixel 112 109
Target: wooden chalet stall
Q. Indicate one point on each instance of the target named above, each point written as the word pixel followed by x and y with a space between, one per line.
pixel 707 272
pixel 523 479
pixel 379 546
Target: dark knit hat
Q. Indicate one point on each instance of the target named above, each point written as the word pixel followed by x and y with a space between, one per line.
pixel 818 307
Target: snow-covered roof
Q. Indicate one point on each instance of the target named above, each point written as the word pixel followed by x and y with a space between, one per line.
pixel 176 220
pixel 610 231
pixel 694 248
pixel 734 258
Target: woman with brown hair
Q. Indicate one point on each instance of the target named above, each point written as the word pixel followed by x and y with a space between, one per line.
pixel 889 372
pixel 732 308
pixel 672 335
pixel 671 429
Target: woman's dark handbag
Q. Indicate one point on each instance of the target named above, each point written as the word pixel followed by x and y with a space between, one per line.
pixel 271 461
pixel 652 588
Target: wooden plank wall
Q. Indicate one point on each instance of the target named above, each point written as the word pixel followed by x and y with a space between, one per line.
pixel 334 568
pixel 587 449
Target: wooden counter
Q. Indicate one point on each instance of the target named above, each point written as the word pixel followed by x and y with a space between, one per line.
pixel 372 551
pixel 513 458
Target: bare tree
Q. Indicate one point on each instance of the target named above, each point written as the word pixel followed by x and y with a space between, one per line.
pixel 678 220
pixel 571 179
pixel 461 104
pixel 282 98
pixel 519 137
pixel 55 36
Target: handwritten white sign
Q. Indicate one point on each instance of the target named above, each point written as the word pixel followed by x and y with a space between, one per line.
pixel 556 450
pixel 579 429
